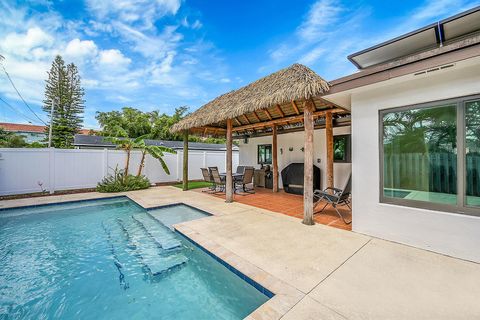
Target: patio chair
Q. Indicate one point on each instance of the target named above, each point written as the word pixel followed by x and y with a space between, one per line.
pixel 217 179
pixel 207 177
pixel 247 179
pixel 334 197
pixel 240 170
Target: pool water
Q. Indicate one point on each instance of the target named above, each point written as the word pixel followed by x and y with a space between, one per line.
pixel 112 259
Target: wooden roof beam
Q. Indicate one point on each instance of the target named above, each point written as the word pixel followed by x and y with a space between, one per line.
pixel 279 109
pixel 246 119
pixel 214 129
pixel 256 116
pixel 269 116
pixel 294 118
pixel 238 121
pixel 294 105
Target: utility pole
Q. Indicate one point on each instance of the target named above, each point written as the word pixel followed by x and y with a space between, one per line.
pixel 51 122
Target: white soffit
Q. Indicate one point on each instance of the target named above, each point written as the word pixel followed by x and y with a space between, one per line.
pixel 459 27
pixel 429 37
pixel 420 41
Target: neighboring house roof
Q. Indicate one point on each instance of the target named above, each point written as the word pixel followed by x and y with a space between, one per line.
pixel 17 127
pixel 33 128
pixel 82 140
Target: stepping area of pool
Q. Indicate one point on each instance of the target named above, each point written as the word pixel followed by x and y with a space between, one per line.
pixel 315 272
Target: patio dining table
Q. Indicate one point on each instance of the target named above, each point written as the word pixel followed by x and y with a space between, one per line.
pixel 235 176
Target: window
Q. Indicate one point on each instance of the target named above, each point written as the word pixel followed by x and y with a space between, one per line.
pixel 342 148
pixel 430 156
pixel 264 154
pixel 472 152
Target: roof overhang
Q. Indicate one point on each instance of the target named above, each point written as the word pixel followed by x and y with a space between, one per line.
pixel 434 35
pixel 426 62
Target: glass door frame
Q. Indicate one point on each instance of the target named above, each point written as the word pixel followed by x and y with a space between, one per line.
pixel 461 207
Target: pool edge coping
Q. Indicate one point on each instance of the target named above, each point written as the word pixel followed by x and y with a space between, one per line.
pixel 57 203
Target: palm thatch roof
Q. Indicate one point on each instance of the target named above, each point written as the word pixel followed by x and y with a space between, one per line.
pixel 295 83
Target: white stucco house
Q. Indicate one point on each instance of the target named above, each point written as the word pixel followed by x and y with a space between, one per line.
pixel 415 138
pixel 405 126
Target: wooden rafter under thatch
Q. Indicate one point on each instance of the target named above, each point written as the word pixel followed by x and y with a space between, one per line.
pixel 280 95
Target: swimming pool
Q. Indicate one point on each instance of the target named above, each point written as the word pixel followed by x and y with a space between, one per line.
pixel 112 259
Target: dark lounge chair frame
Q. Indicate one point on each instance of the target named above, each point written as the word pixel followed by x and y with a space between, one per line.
pixel 334 197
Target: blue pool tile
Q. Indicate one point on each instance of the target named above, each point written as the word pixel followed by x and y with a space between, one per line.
pixel 247 279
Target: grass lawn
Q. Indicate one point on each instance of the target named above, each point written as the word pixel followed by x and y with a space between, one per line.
pixel 194 184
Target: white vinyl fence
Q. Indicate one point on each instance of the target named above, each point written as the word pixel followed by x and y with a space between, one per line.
pixel 35 170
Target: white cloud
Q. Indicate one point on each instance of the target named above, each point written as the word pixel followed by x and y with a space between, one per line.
pixel 197 24
pixel 23 43
pixel 143 13
pixel 316 27
pixel 152 46
pixel 79 50
pixel 320 18
pixel 312 55
pixel 113 59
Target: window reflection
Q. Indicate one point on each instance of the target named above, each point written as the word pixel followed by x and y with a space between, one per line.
pixel 420 161
pixel 472 152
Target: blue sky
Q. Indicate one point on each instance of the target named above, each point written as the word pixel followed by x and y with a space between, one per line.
pixel 157 55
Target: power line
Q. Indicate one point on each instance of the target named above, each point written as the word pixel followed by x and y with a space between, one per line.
pixel 18 92
pixel 17 111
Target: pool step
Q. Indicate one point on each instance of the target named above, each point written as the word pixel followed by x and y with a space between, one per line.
pixel 161 234
pixel 113 238
pixel 149 251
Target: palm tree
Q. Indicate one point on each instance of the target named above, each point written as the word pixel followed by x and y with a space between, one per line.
pixel 128 144
pixel 125 144
pixel 154 151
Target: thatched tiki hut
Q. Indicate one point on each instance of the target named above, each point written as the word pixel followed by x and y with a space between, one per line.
pixel 291 96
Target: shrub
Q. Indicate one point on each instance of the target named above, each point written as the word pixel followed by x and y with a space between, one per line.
pixel 118 182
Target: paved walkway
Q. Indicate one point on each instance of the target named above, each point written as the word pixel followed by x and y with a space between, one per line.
pixel 319 272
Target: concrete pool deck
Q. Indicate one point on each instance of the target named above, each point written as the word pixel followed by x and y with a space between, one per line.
pixel 318 272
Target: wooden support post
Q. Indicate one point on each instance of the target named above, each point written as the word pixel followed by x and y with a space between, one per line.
pixel 185 160
pixel 329 144
pixel 308 165
pixel 229 178
pixel 274 158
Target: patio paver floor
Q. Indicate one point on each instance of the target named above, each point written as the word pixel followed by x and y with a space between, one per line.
pixel 291 205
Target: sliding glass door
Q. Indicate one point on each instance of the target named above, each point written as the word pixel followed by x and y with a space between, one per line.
pixel 472 153
pixel 430 155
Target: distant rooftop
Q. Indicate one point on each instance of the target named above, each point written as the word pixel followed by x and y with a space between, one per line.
pixel 432 36
pixel 83 140
pixel 20 127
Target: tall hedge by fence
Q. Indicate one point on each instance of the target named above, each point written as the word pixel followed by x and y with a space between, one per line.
pixel 434 172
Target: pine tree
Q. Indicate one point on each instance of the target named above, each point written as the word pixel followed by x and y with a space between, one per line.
pixel 63 88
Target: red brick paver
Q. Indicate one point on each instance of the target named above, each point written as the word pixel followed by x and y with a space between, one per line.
pixel 291 205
